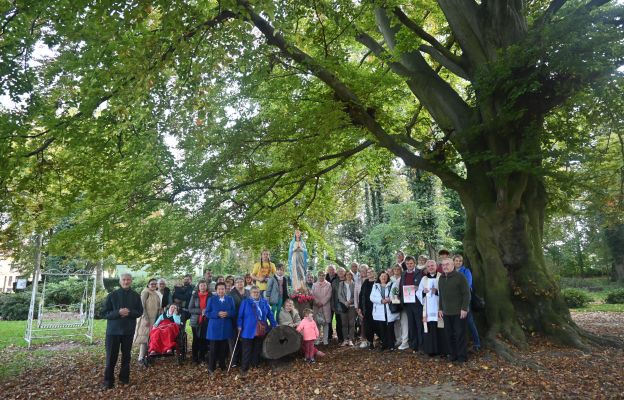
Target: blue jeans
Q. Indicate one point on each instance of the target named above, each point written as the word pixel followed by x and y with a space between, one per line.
pixel 476 342
pixel 275 309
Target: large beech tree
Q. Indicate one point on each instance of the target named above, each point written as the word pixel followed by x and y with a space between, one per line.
pixel 284 105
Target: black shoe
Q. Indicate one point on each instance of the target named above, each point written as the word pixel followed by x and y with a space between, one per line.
pixel 107 386
pixel 125 383
pixel 210 372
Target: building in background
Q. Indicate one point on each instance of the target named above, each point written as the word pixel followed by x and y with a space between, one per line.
pixel 7 275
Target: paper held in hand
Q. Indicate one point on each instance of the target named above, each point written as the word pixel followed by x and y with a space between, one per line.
pixel 409 294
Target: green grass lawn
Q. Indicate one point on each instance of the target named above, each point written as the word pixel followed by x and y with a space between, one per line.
pixel 12 334
pixel 598 297
pixel 17 357
pixel 601 307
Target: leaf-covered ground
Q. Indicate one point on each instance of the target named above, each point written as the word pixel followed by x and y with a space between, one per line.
pixel 348 373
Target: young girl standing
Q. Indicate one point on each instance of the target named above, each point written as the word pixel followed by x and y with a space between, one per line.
pixel 307 327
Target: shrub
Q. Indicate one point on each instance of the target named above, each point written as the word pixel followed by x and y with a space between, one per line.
pixel 100 298
pixel 615 297
pixel 14 306
pixel 138 284
pixel 67 291
pixel 576 298
pixel 111 284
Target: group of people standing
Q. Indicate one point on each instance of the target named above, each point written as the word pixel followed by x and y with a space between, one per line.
pixel 419 304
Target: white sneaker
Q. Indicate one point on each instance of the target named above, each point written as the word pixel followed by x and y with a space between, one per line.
pixel 404 346
pixel 350 343
pixel 363 345
pixel 325 342
pixel 343 344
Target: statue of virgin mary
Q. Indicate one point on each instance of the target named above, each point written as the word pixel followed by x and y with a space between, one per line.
pixel 298 262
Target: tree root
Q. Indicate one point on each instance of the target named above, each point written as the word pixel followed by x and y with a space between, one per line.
pixel 505 352
pixel 601 340
pixel 566 333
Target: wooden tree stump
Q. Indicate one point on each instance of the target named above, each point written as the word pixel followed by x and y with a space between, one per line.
pixel 281 341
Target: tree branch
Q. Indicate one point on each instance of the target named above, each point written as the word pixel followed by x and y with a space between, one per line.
pixel 420 32
pixel 463 18
pixel 350 152
pixel 46 143
pixel 357 110
pixel 307 207
pixel 552 9
pixel 410 125
pixel 443 103
pixel 445 62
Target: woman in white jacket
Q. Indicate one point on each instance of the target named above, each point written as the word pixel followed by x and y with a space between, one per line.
pixel 381 297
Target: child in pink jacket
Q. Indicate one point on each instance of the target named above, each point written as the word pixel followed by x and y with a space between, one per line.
pixel 308 329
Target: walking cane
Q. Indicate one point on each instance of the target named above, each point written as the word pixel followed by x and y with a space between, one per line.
pixel 234 351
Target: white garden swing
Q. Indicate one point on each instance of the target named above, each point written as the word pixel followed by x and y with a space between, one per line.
pixel 66 320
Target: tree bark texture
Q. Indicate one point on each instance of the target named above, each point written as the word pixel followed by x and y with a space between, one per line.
pixel 615 242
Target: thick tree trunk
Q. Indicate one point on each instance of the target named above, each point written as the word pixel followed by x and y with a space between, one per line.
pixel 504 245
pixel 99 274
pixel 615 242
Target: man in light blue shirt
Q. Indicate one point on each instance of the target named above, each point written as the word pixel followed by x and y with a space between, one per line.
pixel 458 261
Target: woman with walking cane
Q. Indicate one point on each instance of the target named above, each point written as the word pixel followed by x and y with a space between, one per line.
pixel 252 320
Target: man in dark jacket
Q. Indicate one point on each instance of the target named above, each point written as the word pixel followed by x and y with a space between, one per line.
pixel 335 283
pixel 330 277
pixel 182 294
pixel 454 303
pixel 121 309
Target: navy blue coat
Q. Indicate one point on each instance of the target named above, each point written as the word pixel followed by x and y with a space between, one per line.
pixel 220 328
pixel 248 317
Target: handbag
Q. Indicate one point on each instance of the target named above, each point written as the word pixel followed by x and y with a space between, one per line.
pixel 395 308
pixel 261 326
pixel 261 329
pixel 341 308
pixel 476 303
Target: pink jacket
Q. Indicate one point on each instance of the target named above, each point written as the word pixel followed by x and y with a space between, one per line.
pixel 322 292
pixel 308 329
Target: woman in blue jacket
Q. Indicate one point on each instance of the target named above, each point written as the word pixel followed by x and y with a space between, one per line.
pixel 220 312
pixel 252 310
